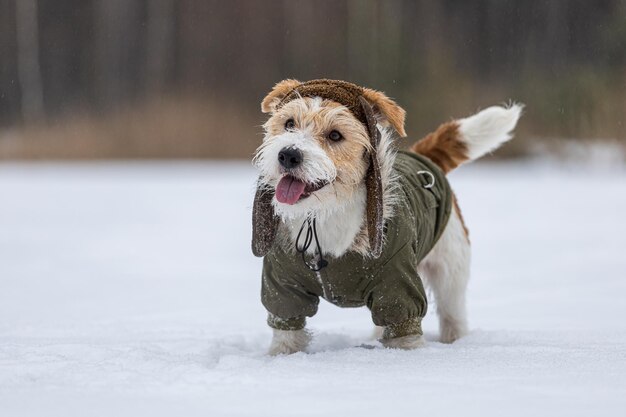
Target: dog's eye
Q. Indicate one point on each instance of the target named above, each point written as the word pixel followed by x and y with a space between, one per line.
pixel 335 136
pixel 290 124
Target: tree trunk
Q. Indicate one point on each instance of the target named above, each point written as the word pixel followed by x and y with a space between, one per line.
pixel 116 62
pixel 29 71
pixel 160 43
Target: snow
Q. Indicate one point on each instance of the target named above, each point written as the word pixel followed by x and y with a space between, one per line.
pixel 129 289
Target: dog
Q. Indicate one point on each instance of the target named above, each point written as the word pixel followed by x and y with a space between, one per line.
pixel 341 214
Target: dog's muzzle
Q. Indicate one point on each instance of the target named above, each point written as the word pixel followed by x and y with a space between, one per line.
pixel 290 158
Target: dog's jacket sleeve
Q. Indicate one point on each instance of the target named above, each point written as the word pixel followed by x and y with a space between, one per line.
pixel 390 285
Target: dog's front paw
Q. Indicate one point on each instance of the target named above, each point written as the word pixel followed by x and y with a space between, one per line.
pixel 286 342
pixel 411 341
pixel 404 335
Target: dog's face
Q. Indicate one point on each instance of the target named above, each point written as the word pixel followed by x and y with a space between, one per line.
pixel 315 152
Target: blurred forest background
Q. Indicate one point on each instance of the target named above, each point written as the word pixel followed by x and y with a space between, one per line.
pixel 184 78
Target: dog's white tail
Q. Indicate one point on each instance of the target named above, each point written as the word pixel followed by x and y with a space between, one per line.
pixel 463 140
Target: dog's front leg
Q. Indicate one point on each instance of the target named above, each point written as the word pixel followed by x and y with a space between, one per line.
pixel 412 341
pixel 406 335
pixel 286 342
pixel 397 312
pixel 289 335
pixel 398 304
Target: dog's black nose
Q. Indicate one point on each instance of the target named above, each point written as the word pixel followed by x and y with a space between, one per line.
pixel 290 157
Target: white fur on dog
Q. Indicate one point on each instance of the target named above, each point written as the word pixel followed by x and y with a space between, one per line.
pixel 340 211
pixel 316 165
pixel 337 227
pixel 488 129
pixel 412 341
pixel 285 342
pixel 445 271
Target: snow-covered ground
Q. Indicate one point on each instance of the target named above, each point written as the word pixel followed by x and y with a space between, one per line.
pixel 129 289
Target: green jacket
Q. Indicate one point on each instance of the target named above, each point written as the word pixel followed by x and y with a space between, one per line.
pixel 390 285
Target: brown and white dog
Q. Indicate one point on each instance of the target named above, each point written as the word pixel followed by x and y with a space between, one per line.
pixel 331 143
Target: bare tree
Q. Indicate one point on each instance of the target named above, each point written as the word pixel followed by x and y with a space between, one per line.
pixel 160 42
pixel 29 71
pixel 116 26
pixel 363 43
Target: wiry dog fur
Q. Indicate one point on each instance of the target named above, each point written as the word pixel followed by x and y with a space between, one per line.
pixel 340 205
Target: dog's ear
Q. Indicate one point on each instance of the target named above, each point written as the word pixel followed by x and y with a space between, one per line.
pixel 264 221
pixel 280 90
pixel 387 111
pixel 373 186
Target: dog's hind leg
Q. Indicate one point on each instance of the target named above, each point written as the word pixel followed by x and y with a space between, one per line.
pixel 445 271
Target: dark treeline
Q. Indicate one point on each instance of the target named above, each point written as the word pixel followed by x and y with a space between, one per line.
pixel 565 59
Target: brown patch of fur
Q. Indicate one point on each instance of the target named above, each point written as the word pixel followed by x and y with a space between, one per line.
pixel 455 203
pixel 279 91
pixel 444 147
pixel 386 110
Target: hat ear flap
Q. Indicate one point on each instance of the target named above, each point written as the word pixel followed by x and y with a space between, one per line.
pixel 264 221
pixel 373 186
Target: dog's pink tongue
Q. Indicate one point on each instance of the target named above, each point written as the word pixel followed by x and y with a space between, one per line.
pixel 289 190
